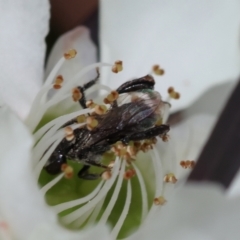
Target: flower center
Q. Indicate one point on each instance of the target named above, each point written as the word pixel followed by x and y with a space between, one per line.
pixel 137 179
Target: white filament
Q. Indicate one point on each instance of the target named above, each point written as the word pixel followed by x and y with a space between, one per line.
pixel 51 184
pixel 107 186
pixel 124 213
pixel 143 192
pixel 96 212
pixel 64 206
pixel 114 197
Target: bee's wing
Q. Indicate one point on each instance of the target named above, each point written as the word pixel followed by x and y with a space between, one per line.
pixel 131 113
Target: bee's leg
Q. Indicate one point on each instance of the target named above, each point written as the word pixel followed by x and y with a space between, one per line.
pixel 55 163
pixel 150 133
pixel 83 173
pixel 82 101
pixel 146 82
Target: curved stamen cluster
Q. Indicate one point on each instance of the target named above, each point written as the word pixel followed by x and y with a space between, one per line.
pixel 123 168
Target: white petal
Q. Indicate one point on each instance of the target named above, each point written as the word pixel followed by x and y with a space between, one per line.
pixel 54 232
pixel 21 203
pixel 196 212
pixel 196 43
pixel 23 25
pixel 79 39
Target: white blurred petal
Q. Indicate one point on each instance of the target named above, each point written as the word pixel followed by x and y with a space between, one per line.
pixel 24 25
pixel 195 212
pixel 21 204
pixel 79 39
pixel 197 43
pixel 55 232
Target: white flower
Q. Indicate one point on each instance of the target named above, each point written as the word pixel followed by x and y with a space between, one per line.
pixel 23 213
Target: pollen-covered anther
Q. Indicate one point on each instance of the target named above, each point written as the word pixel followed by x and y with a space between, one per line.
pixel 170 178
pixel 70 54
pixel 158 70
pixel 106 175
pixel 90 104
pixel 117 67
pixel 81 119
pixel 129 173
pixel 100 109
pixel 91 123
pixel 173 94
pixel 111 97
pixel 69 134
pixel 58 82
pixel 159 200
pixel 187 164
pixel 67 170
pixel 76 94
pixel 165 137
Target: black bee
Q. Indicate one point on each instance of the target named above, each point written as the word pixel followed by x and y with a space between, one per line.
pixel 126 120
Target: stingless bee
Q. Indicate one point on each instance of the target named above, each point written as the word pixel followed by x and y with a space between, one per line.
pixel 132 117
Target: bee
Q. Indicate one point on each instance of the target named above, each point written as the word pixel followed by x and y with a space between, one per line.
pixel 132 117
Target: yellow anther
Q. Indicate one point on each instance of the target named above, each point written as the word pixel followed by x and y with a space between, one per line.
pixel 57 86
pixel 106 175
pixel 173 94
pixel 76 94
pixel 165 137
pixel 68 171
pixel 70 54
pixel 90 104
pixel 68 130
pixel 91 123
pixel 111 97
pixel 129 174
pixel 117 67
pixel 157 70
pixel 81 119
pixel 159 200
pixel 100 109
pixel 170 178
pixel 59 79
pixel 188 164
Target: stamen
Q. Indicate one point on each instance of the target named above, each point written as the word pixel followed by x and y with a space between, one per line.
pixel 173 94
pixel 67 205
pixel 159 201
pixel 111 97
pixel 101 194
pixel 76 94
pixel 187 164
pixel 117 67
pixel 96 212
pixel 114 197
pixel 91 123
pixel 157 70
pixel 124 213
pixel 70 54
pixel 90 104
pixel 106 175
pixel 143 192
pixel 170 178
pixel 67 170
pixel 51 184
pixel 100 109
